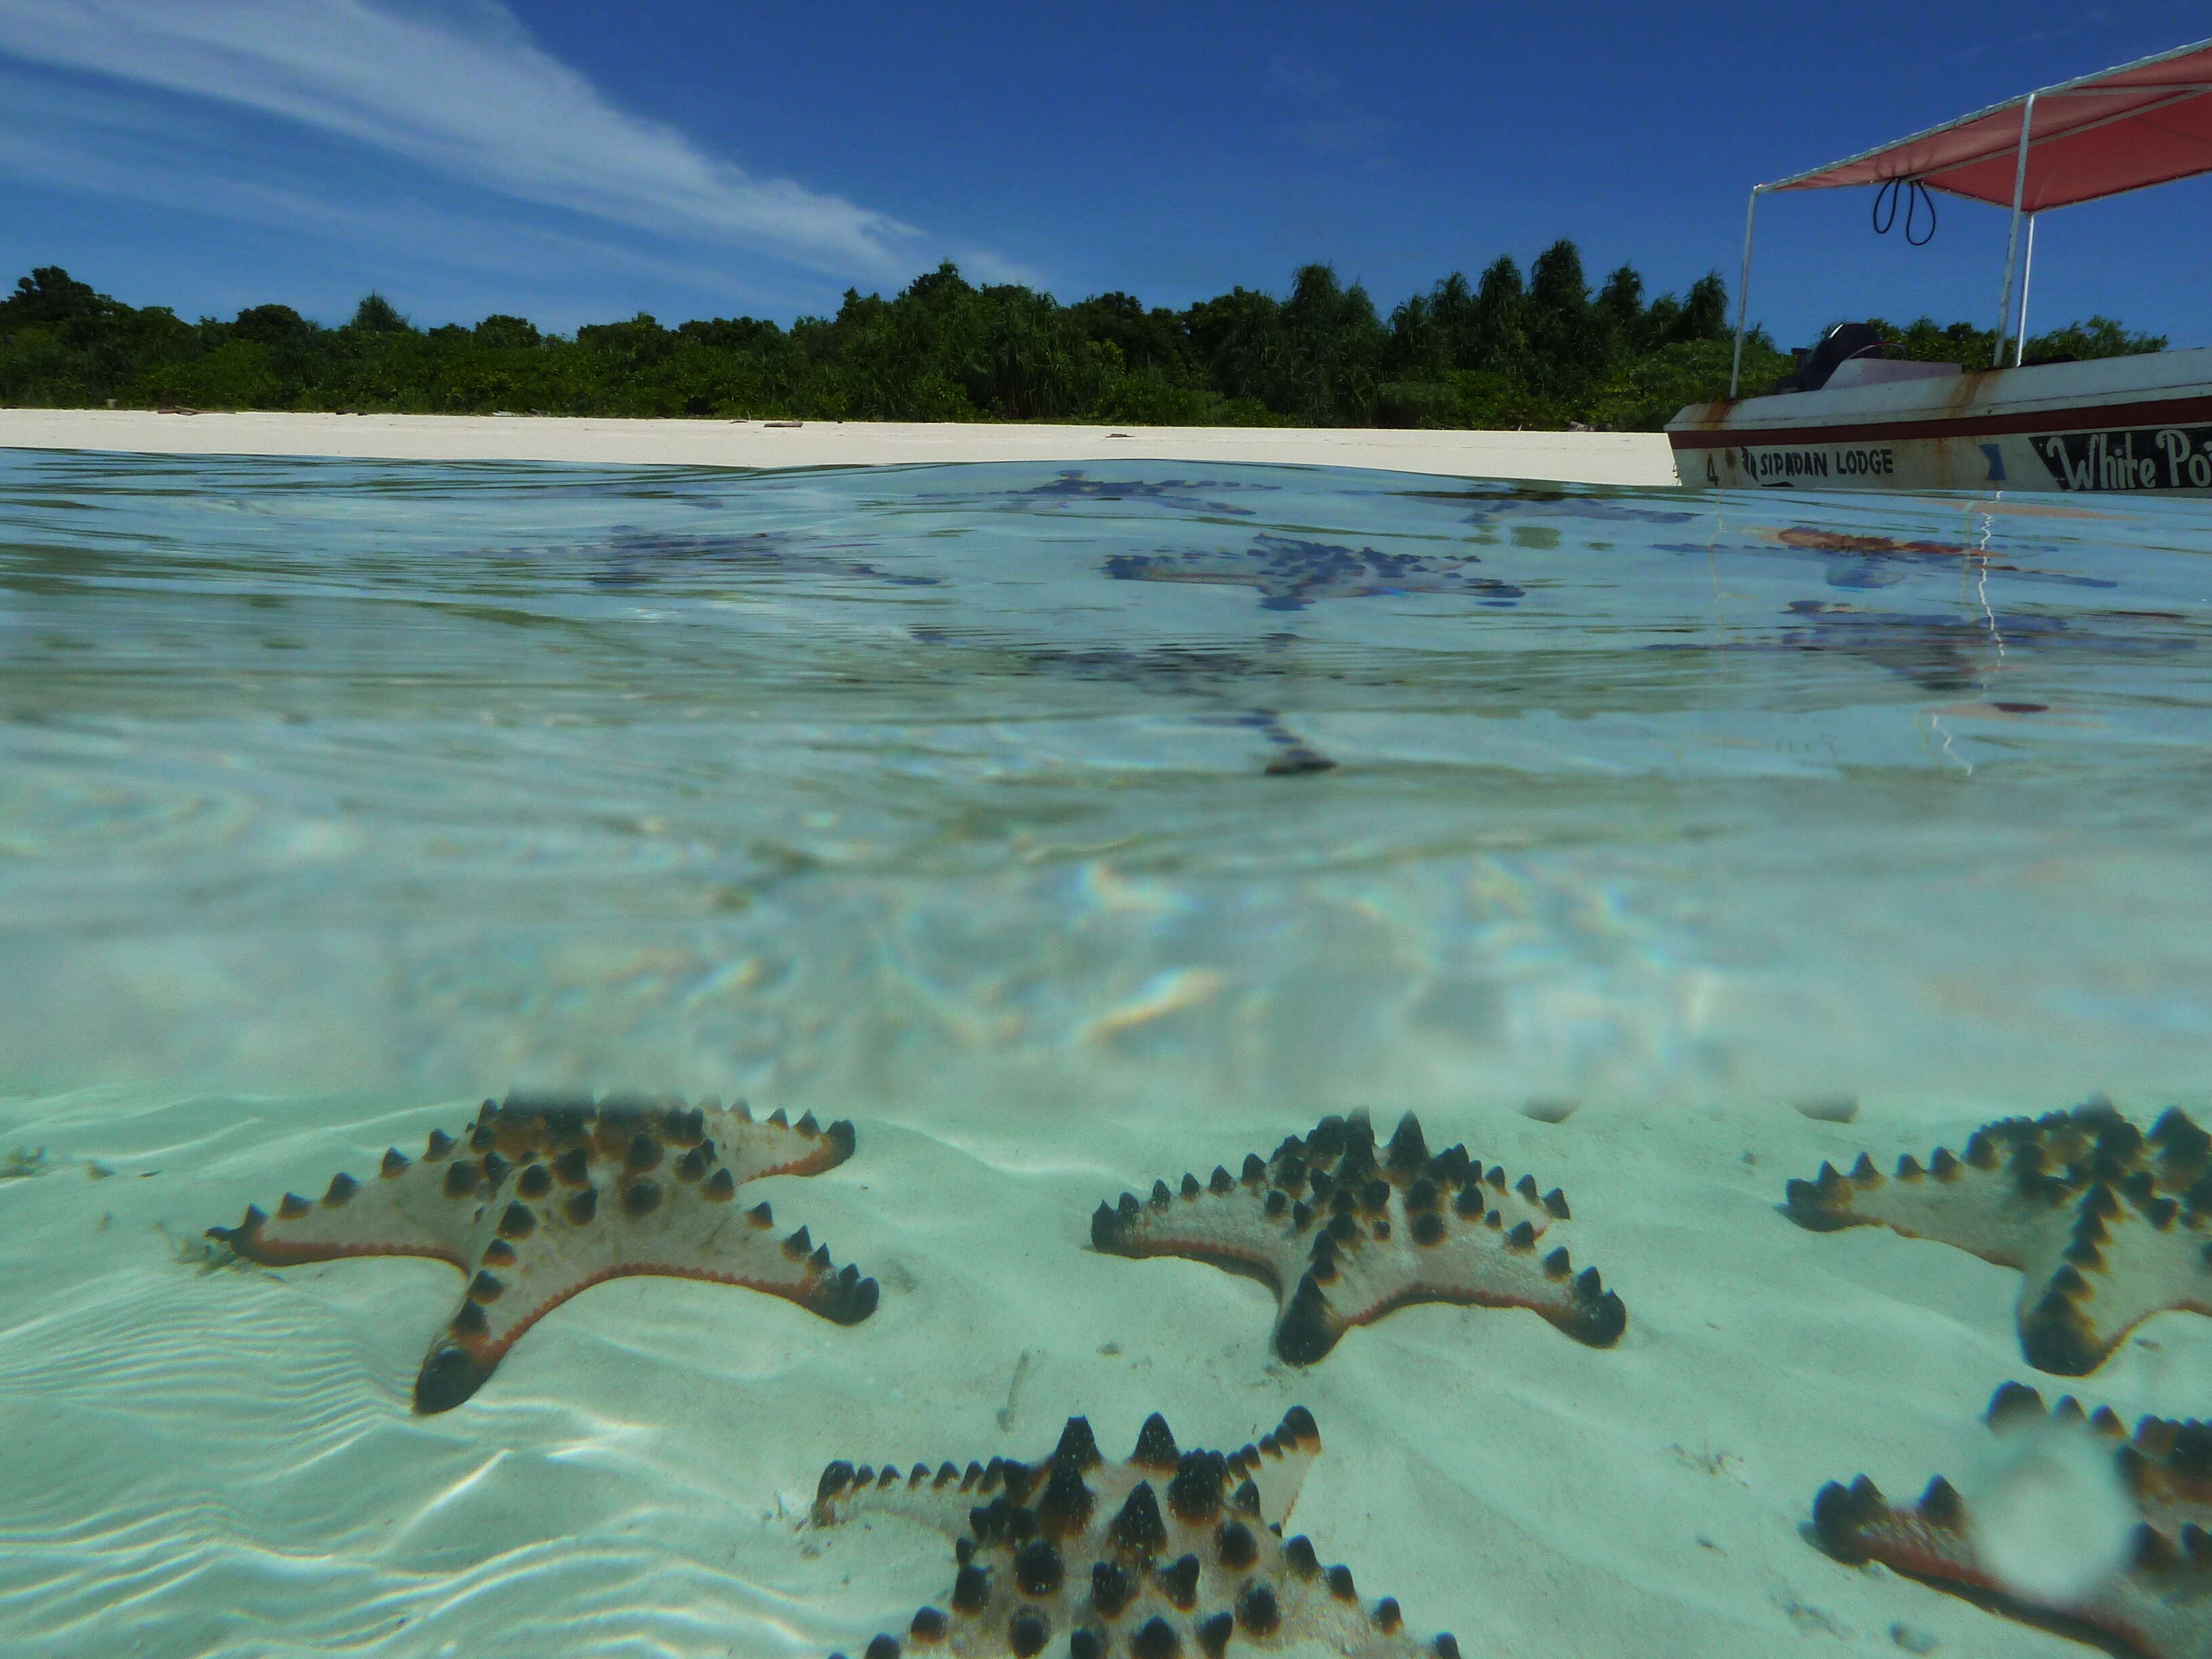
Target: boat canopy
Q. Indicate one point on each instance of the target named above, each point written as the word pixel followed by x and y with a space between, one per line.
pixel 2145 123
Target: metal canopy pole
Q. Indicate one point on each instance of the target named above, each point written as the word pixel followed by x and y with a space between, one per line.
pixel 2012 240
pixel 2026 276
pixel 1743 294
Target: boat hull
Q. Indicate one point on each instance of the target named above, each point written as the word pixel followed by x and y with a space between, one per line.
pixel 2134 425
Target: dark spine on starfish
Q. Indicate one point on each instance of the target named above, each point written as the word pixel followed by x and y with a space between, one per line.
pixel 1066 1504
pixel 1941 1506
pixel 1597 1316
pixel 1307 1330
pixel 2055 1337
pixel 1178 1582
pixel 1137 1528
pixel 1111 1588
pixel 1823 1204
pixel 1105 1228
pixel 1408 1150
pixel 1236 1546
pixel 1078 1445
pixel 844 1298
pixel 449 1376
pixel 1841 1513
pixel 1038 1568
pixel 2012 1402
pixel 1257 1610
pixel 1156 1446
pixel 1195 1494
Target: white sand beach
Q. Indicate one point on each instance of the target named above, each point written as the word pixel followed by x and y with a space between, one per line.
pixel 225 1461
pixel 1631 459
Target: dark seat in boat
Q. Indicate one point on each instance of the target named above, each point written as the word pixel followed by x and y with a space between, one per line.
pixel 1837 347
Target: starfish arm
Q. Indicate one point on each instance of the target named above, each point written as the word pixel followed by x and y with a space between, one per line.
pixel 538 1251
pixel 2118 1262
pixel 407 1207
pixel 1277 1466
pixel 2165 1463
pixel 2107 1223
pixel 1515 1256
pixel 753 1147
pixel 2154 1608
pixel 1981 1211
pixel 1230 1227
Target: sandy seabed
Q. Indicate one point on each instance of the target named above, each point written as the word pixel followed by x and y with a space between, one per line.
pixel 224 1462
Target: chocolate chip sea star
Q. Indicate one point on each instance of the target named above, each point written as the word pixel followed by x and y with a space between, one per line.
pixel 540 1199
pixel 1345 1232
pixel 2109 1224
pixel 2159 1607
pixel 1170 1555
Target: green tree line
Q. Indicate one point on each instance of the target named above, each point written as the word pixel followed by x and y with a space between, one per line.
pixel 1536 350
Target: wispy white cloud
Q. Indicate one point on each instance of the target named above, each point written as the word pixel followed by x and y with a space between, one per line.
pixel 455 89
pixel 98 142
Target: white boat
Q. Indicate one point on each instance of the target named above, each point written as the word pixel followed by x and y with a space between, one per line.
pixel 1857 417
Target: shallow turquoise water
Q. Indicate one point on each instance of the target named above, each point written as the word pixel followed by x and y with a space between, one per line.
pixel 1061 828
pixel 328 775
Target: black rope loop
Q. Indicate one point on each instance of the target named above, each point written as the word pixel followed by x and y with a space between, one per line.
pixel 1885 209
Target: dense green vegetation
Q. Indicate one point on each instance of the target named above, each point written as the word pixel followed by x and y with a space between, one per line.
pixel 1962 343
pixel 1503 351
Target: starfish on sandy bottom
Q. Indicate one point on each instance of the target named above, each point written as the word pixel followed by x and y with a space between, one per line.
pixel 2158 1605
pixel 2109 1225
pixel 543 1197
pixel 1346 1231
pixel 1170 1555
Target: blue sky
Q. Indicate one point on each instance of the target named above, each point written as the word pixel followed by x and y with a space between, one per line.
pixel 574 160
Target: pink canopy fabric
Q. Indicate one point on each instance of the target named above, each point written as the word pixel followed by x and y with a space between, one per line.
pixel 2146 123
